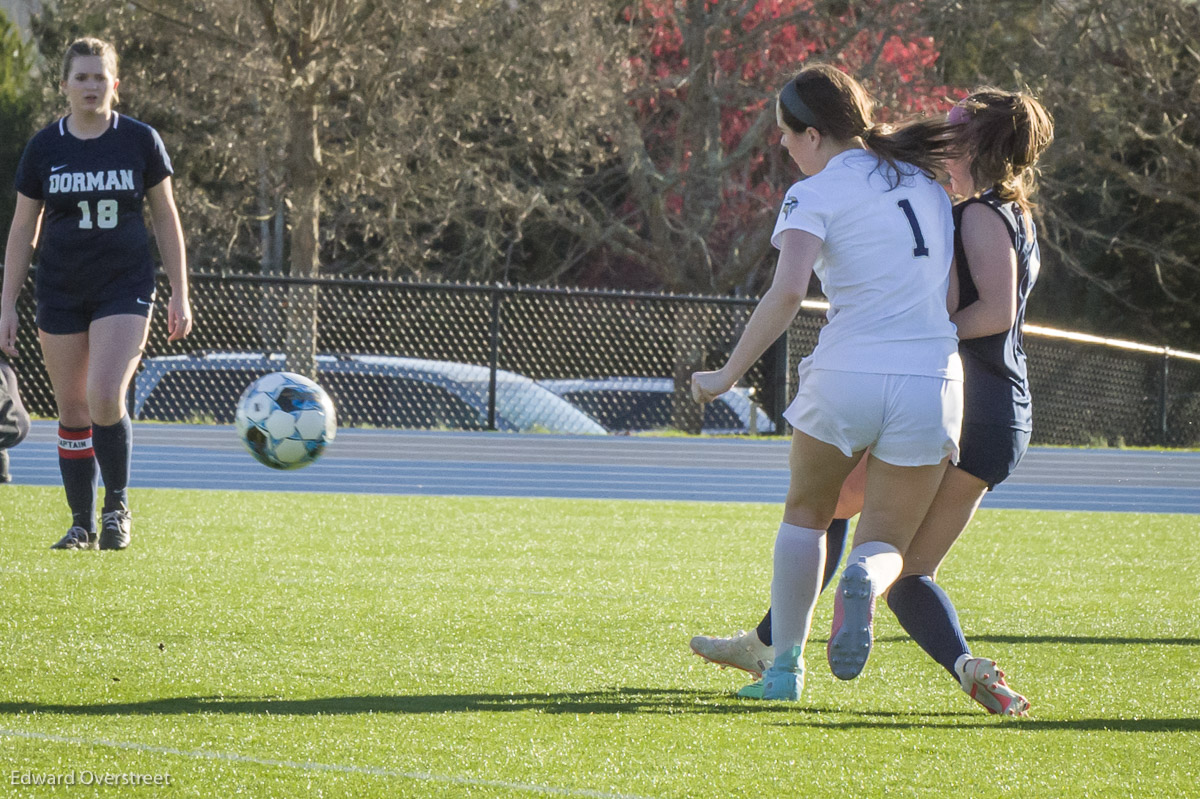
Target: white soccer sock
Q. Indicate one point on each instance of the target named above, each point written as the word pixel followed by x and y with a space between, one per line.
pixel 795 585
pixel 883 563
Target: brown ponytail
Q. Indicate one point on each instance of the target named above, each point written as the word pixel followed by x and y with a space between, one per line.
pixel 1004 134
pixel 837 105
pixel 924 144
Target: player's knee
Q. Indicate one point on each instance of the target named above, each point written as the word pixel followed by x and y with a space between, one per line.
pixel 105 409
pixel 73 413
pixel 808 512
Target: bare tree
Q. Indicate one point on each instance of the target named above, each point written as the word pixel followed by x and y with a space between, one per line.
pixel 699 180
pixel 383 135
pixel 1123 181
pixel 1120 199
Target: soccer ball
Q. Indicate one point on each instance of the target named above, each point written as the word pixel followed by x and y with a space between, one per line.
pixel 285 420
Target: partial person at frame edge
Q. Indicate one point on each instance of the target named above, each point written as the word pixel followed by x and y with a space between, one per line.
pixel 14 419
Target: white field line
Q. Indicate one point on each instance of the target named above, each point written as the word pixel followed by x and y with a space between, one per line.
pixel 230 757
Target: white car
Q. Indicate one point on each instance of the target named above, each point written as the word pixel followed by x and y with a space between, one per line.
pixel 377 390
pixel 641 404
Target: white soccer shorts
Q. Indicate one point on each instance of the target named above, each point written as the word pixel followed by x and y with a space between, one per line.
pixel 906 420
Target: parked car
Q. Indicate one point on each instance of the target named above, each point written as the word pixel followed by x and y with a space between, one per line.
pixel 639 404
pixel 378 390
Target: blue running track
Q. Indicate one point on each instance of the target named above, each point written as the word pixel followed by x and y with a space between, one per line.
pixel 597 467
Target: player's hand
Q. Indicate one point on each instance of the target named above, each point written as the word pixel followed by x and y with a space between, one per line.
pixel 707 386
pixel 8 334
pixel 179 317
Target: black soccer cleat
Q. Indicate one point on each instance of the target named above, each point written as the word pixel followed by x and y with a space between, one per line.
pixel 115 526
pixel 77 538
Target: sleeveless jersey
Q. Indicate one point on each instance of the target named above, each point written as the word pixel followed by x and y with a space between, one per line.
pixel 884 266
pixel 94 245
pixel 996 390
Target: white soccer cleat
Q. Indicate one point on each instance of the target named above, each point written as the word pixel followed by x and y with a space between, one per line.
pixel 741 651
pixel 983 681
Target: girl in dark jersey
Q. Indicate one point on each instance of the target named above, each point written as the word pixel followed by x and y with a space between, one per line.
pixel 81 185
pixel 996 263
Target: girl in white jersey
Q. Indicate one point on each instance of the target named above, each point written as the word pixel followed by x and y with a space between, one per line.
pixel 877 230
pixel 1000 137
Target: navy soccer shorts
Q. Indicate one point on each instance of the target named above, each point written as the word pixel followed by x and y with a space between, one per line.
pixel 991 452
pixel 79 316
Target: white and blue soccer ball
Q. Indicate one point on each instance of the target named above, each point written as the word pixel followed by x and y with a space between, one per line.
pixel 285 420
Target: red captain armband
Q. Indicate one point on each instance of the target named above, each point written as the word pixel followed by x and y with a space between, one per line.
pixel 75 444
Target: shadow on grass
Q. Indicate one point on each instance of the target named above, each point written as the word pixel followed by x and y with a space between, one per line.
pixel 1065 639
pixel 896 721
pixel 1084 639
pixel 602 702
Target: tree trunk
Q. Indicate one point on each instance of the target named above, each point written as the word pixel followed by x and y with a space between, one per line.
pixel 304 169
pixel 274 295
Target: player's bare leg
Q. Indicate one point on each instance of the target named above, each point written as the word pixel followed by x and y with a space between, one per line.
pixel 897 499
pixel 116 348
pixel 926 612
pixel 117 345
pixel 66 357
pixel 818 471
pixel 751 650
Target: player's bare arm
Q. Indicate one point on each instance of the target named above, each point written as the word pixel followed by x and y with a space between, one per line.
pixel 168 232
pixel 771 317
pixel 993 264
pixel 22 237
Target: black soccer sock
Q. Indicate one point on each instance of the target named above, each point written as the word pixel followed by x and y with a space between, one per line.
pixel 927 614
pixel 114 453
pixel 835 543
pixel 77 463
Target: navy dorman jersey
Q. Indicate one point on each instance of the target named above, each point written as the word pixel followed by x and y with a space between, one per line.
pixel 996 388
pixel 94 245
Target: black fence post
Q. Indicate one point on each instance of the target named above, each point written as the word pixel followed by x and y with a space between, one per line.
pixel 493 358
pixel 775 399
pixel 1164 400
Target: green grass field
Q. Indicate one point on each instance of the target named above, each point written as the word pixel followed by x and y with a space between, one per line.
pixel 273 645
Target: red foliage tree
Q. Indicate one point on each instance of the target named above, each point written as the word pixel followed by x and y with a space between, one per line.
pixel 704 173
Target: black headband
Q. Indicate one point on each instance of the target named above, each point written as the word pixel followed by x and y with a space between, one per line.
pixel 789 98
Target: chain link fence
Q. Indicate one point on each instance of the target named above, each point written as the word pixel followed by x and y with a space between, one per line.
pixel 469 357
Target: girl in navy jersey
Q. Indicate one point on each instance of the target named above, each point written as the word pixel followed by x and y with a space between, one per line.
pixel 876 228
pixel 1000 136
pixel 81 185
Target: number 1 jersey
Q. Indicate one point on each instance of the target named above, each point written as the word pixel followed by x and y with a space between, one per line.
pixel 93 245
pixel 884 266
